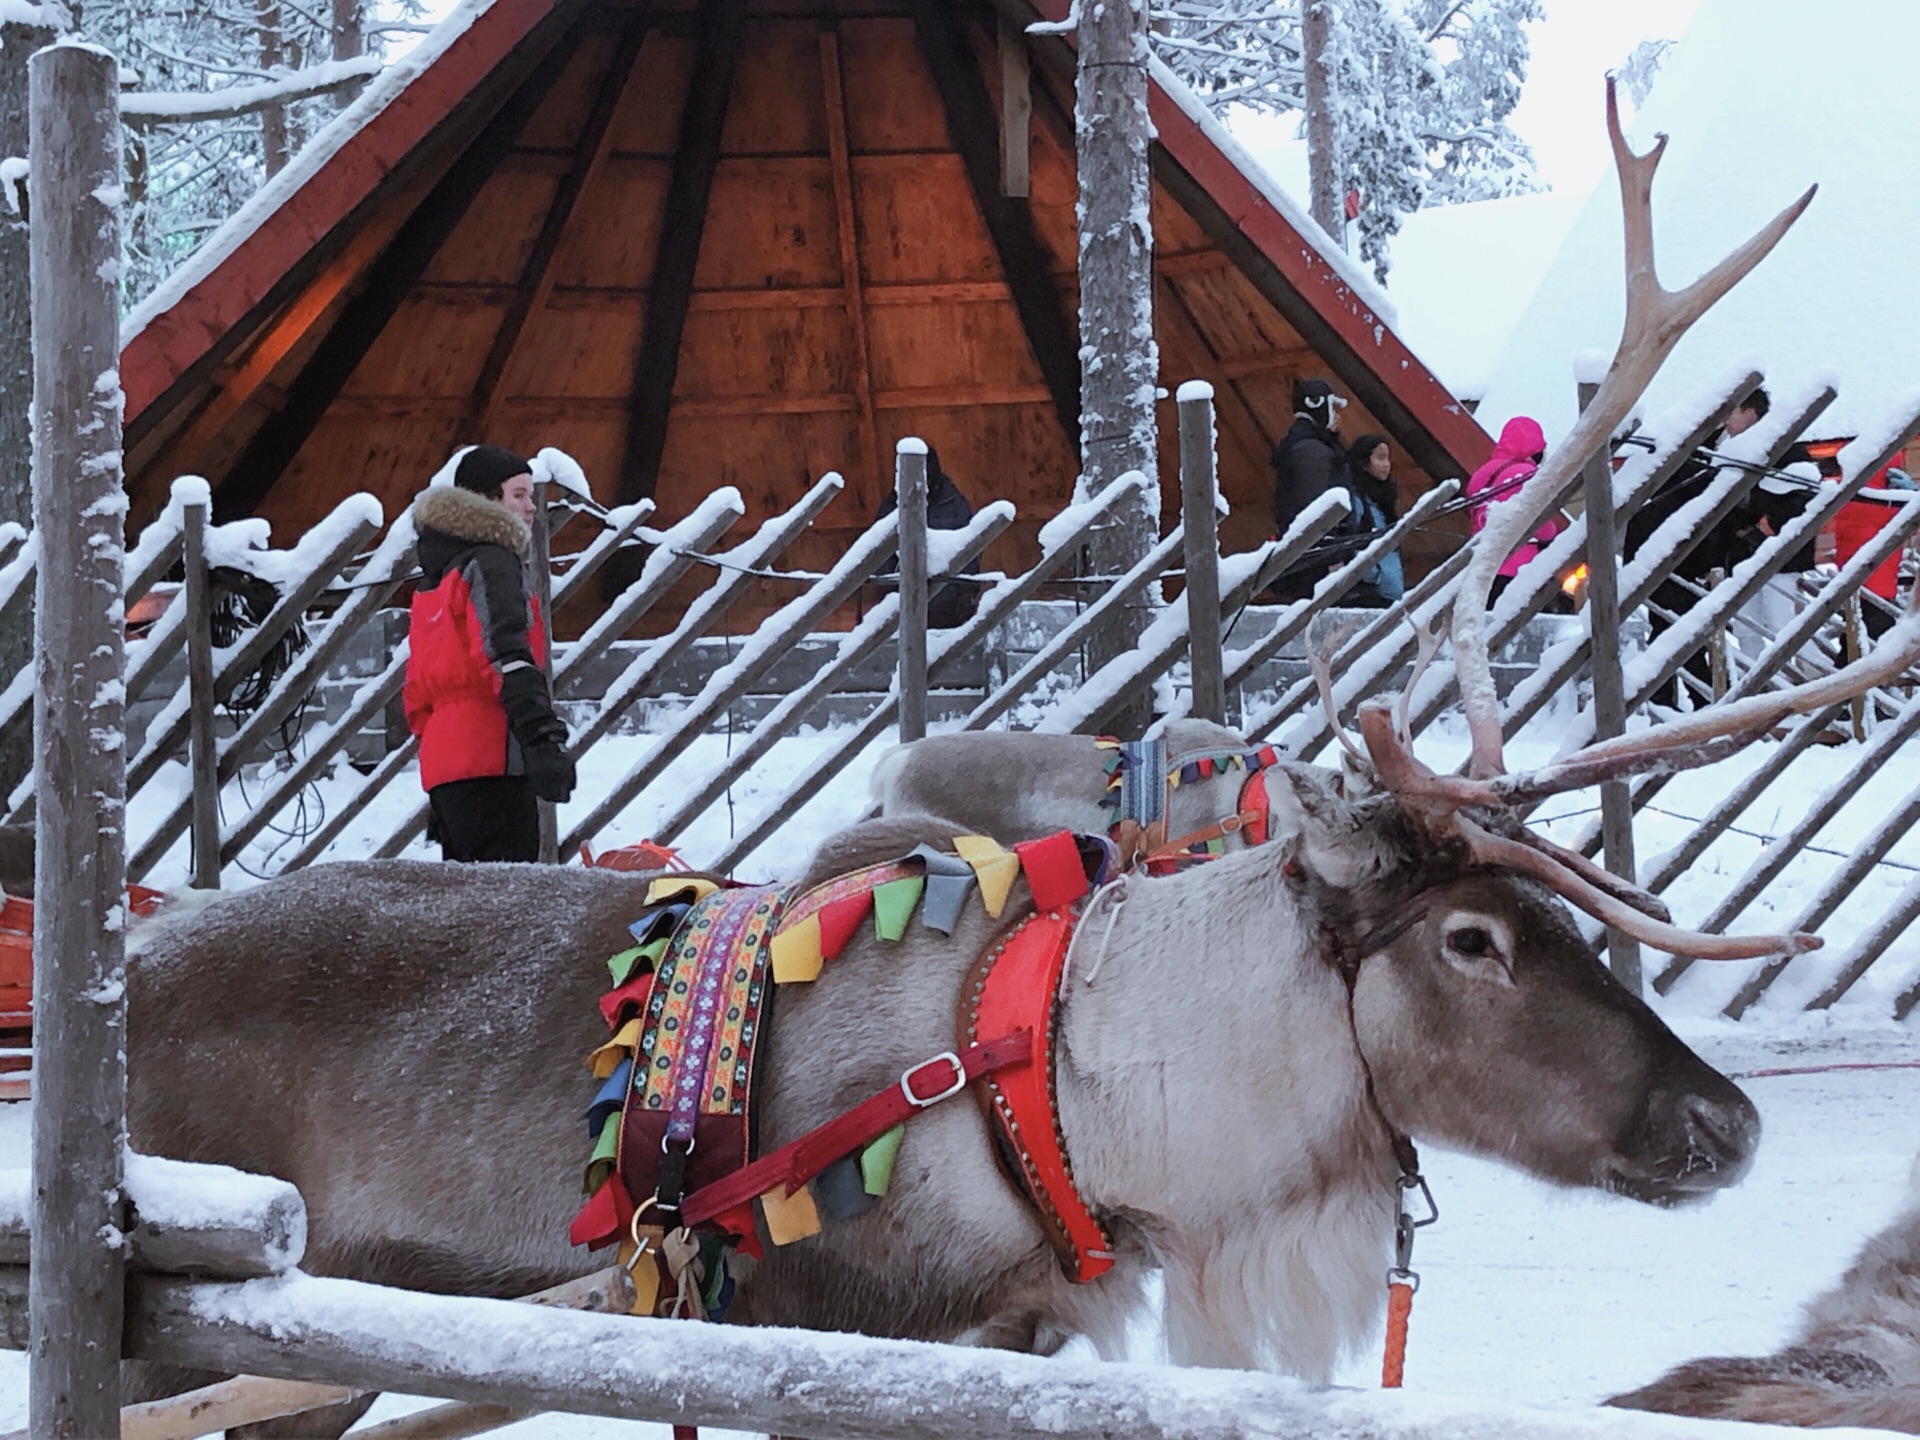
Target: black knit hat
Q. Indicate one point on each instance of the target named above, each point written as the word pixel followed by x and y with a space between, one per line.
pixel 1315 396
pixel 486 468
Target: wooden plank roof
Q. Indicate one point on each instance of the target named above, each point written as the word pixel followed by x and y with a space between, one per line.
pixel 727 241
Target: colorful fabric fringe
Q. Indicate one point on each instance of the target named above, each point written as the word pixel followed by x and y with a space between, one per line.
pixel 684 1014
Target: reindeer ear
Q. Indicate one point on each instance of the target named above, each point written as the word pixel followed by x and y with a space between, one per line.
pixel 1338 840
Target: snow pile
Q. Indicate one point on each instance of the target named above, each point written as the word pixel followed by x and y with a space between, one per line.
pixel 1462 274
pixel 1749 134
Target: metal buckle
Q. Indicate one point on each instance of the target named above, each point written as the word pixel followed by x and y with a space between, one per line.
pixel 959 1080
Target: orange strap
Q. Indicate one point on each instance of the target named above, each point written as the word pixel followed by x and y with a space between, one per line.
pixel 1399 1308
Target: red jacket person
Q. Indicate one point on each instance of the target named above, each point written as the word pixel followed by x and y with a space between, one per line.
pixel 476 694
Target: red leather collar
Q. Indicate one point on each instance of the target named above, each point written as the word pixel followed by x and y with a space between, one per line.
pixel 1255 808
pixel 1016 986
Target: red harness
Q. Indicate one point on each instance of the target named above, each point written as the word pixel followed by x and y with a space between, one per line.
pixel 1012 999
pixel 1252 820
pixel 1018 985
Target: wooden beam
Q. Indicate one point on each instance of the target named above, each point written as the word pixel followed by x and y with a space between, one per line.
pixel 1016 108
pixel 536 276
pixel 388 281
pixel 975 133
pixel 1239 419
pixel 251 381
pixel 834 96
pixel 1192 262
pixel 684 221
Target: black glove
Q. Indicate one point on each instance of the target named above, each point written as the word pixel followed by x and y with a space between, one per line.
pixel 549 771
pixel 523 695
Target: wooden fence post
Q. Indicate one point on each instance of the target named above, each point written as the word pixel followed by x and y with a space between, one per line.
pixel 17 42
pixel 1609 697
pixel 910 487
pixel 76 1283
pixel 1200 517
pixel 203 757
pixel 543 591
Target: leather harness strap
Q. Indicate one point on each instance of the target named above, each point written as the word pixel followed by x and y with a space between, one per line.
pixel 798 1161
pixel 1018 984
pixel 1252 819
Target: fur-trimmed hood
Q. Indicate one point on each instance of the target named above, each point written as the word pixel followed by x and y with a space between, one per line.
pixel 449 522
pixel 470 516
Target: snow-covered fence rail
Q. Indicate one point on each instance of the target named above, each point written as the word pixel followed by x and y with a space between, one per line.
pixel 337 587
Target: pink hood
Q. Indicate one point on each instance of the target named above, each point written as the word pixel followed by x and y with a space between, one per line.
pixel 1521 438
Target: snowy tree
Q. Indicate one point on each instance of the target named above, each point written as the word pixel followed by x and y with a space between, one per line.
pixel 1638 71
pixel 218 95
pixel 1419 92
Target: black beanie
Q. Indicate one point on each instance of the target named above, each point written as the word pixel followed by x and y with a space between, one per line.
pixel 1311 395
pixel 486 468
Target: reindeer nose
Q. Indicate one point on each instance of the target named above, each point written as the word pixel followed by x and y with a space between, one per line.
pixel 1721 1134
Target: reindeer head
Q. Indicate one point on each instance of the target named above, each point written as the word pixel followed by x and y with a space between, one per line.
pixel 1485 1020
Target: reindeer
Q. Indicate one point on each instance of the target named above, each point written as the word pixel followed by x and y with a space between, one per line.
pixel 1855 1360
pixel 1043 783
pixel 1242 1049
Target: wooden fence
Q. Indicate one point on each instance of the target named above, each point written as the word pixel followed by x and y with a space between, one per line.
pixel 339 582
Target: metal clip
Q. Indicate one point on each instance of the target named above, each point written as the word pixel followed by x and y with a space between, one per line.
pixel 1404 1226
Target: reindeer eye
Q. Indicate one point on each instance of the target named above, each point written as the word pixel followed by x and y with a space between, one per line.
pixel 1469 940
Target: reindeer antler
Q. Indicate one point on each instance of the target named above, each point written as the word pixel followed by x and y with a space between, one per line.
pixel 1656 318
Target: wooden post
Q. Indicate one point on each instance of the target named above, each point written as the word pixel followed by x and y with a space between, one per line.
pixel 1717 642
pixel 76 1284
pixel 1324 197
pixel 1856 645
pixel 910 486
pixel 202 746
pixel 1609 691
pixel 17 42
pixel 542 562
pixel 1200 518
pixel 1120 363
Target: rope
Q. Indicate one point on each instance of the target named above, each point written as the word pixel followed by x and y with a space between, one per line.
pixel 1826 1069
pixel 1399 1310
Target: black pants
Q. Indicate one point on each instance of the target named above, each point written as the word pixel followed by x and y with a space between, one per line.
pixel 493 818
pixel 1699 663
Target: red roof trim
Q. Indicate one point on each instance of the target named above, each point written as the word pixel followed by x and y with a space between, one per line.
pixel 179 337
pixel 1309 272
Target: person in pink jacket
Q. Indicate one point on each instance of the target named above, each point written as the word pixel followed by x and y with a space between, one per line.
pixel 1515 457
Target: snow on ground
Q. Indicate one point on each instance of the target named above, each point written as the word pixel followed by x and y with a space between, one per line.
pixel 1529 1294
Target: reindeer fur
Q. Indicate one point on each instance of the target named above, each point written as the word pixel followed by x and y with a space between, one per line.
pixel 1854 1361
pixel 1016 784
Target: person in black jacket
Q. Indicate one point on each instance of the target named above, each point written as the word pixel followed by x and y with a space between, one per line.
pixel 1308 462
pixel 1769 505
pixel 951 605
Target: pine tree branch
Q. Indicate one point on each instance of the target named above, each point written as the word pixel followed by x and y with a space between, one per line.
pixel 189 106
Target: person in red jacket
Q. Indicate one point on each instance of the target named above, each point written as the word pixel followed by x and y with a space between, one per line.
pixel 476 694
